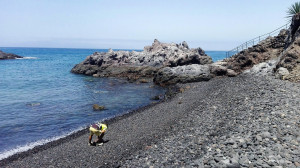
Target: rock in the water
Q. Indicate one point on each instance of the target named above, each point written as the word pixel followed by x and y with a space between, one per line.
pixel 155 97
pixel 97 107
pixel 146 63
pixel 4 56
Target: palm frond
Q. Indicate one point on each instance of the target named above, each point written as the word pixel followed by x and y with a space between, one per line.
pixel 294 9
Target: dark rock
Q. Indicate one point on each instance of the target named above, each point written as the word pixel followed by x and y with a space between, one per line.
pixel 155 98
pixel 97 107
pixel 219 70
pixel 233 165
pixel 4 56
pixel 184 44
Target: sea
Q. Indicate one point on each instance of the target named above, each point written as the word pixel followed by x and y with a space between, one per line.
pixel 42 101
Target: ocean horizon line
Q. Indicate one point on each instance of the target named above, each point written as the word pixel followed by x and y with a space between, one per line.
pixel 96 48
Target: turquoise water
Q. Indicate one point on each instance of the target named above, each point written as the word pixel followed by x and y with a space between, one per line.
pixel 40 100
pixel 216 55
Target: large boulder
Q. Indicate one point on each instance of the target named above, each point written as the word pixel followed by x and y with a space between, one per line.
pixel 262 69
pixel 4 56
pixel 282 73
pixel 146 63
pixel 182 74
pixel 220 69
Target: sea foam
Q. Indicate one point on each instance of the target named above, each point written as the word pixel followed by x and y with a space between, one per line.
pixel 26 147
pixel 27 58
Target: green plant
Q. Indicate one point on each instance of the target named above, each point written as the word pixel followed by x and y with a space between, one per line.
pixel 294 9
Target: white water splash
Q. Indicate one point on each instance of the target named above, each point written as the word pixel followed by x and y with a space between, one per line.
pixel 19 149
pixel 28 58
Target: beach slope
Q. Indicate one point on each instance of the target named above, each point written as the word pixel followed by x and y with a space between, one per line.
pixel 242 121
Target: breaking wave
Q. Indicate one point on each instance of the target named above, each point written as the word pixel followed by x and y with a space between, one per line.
pixel 26 147
pixel 27 58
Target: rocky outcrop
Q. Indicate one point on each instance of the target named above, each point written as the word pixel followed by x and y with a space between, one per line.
pixel 134 65
pixel 4 56
pixel 288 66
pixel 267 49
pixel 279 56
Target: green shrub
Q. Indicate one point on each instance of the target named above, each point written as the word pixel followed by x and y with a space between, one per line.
pixel 294 9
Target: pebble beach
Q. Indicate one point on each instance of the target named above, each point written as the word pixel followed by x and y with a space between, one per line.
pixel 245 121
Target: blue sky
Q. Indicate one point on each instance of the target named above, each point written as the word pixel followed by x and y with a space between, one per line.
pixel 132 24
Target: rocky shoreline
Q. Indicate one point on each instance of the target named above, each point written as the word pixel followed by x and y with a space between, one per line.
pixel 5 56
pixel 163 63
pixel 258 128
pixel 208 124
pixel 251 120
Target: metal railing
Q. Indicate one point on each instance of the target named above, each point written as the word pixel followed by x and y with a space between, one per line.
pixel 255 41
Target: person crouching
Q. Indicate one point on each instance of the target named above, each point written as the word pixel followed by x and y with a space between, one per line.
pixel 98 129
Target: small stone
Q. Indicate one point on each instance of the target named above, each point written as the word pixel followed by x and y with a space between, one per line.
pixel 225 162
pixel 155 97
pixel 96 107
pixel 259 138
pixel 233 165
pixel 266 135
pixel 244 161
pixel 297 164
pixel 144 81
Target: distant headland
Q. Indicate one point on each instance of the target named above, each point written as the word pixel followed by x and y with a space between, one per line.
pixel 5 56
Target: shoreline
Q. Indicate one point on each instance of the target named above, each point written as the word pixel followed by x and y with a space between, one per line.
pixel 169 94
pixel 208 124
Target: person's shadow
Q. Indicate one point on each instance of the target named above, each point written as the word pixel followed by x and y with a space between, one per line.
pixel 105 141
pixel 100 143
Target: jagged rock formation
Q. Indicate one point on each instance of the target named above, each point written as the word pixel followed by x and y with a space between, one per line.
pixel 144 64
pixel 267 49
pixel 288 66
pixel 4 56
